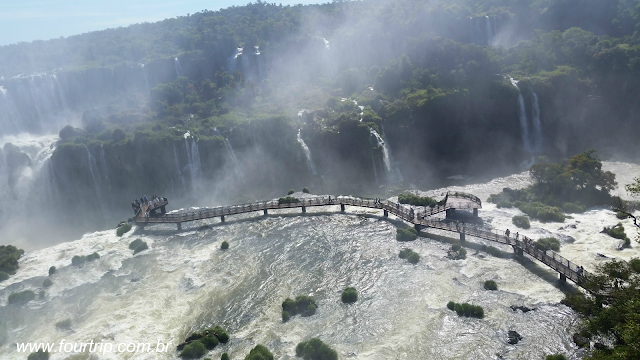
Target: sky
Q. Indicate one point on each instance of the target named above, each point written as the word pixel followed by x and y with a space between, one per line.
pixel 28 20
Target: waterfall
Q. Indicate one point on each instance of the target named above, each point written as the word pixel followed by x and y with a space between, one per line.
pixel 524 122
pixel 537 126
pixel 178 176
pixel 310 165
pixel 245 65
pixel 99 199
pixel 375 170
pixel 489 32
pixel 233 60
pixel 103 165
pixel 193 158
pixel 261 73
pixel 146 79
pixel 326 43
pixel 234 159
pixel 178 67
pixel 393 174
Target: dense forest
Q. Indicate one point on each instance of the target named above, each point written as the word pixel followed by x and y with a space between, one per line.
pixel 393 91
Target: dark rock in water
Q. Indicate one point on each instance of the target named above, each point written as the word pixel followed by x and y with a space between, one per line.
pixel 514 337
pixel 524 309
pixel 602 255
pixel 204 227
pixel 580 340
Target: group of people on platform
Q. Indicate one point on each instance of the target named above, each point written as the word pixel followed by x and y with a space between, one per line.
pixel 145 204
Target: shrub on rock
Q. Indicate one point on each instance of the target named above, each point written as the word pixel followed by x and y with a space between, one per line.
pixel 224 245
pixel 555 357
pixel 291 192
pixel 260 352
pixel 413 258
pixel 22 297
pixel 303 305
pixel 52 270
pixel 285 316
pixel 548 243
pixel 305 190
pixel 3 276
pixel 138 245
pixel 9 256
pixel 47 282
pixel 490 285
pixel 521 221
pixel 406 234
pixel 225 356
pixel 122 229
pixel 349 295
pixel 193 350
pixel 39 355
pixel 315 349
pixel 467 310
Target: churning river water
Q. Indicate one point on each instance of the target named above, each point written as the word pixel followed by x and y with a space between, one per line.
pixel 185 283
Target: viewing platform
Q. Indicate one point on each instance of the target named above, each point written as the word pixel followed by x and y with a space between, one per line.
pixel 420 219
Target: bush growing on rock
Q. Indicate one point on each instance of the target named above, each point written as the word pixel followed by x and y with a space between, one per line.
pixel 555 357
pixel 285 316
pixel 542 212
pixel 64 324
pixel 122 229
pixel 413 258
pixel 349 295
pixel 52 270
pixel 291 192
pixel 467 310
pixel 221 334
pixel 451 305
pixel 224 245
pixel 306 190
pixel 303 305
pixel 416 200
pixel 490 285
pixel 617 232
pixel 78 260
pixel 572 208
pixel 225 356
pixel 138 245
pixel 457 252
pixel 9 256
pixel 288 200
pixel 521 221
pixel 315 349
pixel 39 355
pixel 406 234
pixel 47 282
pixel 3 276
pixel 634 265
pixel 260 352
pixel 549 243
pixel 620 215
pixel 193 350
pixel 22 297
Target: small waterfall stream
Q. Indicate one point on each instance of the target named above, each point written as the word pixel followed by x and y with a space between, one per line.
pixel 310 165
pixel 178 67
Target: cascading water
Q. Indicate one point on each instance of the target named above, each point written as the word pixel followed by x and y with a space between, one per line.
pixel 261 73
pixel 310 165
pixel 537 126
pixel 393 174
pixel 97 185
pixel 178 67
pixel 104 170
pixel 232 60
pixel 326 43
pixel 375 169
pixel 193 159
pixel 146 79
pixel 488 28
pixel 522 115
pixel 234 159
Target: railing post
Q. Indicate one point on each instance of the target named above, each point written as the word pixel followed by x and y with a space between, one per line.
pixel 304 210
pixel 342 207
pixel 265 212
pixel 386 213
pixel 563 277
pixel 222 218
pixel 179 226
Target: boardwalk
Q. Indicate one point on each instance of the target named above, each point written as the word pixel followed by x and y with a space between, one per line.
pixel 564 267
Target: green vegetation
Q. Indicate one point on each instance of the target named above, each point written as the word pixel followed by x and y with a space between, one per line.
pixel 122 229
pixel 78 260
pixel 305 190
pixel 52 270
pixel 47 282
pixel 457 252
pixel 410 255
pixel 521 221
pixel 39 355
pixel 291 192
pixel 9 256
pixel 288 200
pixel 315 349
pixel 466 310
pixel 224 245
pixel 64 324
pixel 22 297
pixel 303 305
pixel 349 295
pixel 260 352
pixel 618 233
pixel 548 243
pixel 3 276
pixel 225 356
pixel 406 234
pixel 197 344
pixel 555 357
pixel 620 215
pixel 615 315
pixel 490 285
pixel 492 250
pixel 418 200
pixel 138 245
pixel 568 186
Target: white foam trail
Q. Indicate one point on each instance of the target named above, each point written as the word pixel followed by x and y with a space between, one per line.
pixel 178 67
pixel 537 126
pixel 522 115
pixel 310 165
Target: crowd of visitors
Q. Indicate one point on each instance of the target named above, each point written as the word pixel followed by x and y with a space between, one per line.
pixel 144 205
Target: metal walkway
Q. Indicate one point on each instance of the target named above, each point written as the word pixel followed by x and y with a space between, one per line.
pixel 457 200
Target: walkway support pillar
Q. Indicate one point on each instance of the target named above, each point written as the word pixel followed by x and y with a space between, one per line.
pixel 386 213
pixel 342 207
pixel 475 212
pixel 265 211
pixel 519 252
pixel 563 278
pixel 222 218
pixel 462 237
pixel 179 226
pixel 417 227
pixel 304 210
pixel 163 210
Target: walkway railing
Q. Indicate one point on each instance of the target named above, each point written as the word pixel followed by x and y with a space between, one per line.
pixel 548 257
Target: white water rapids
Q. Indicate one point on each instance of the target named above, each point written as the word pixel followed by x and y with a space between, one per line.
pixel 185 283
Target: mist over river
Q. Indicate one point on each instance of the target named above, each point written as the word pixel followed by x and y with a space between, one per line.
pixel 185 283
